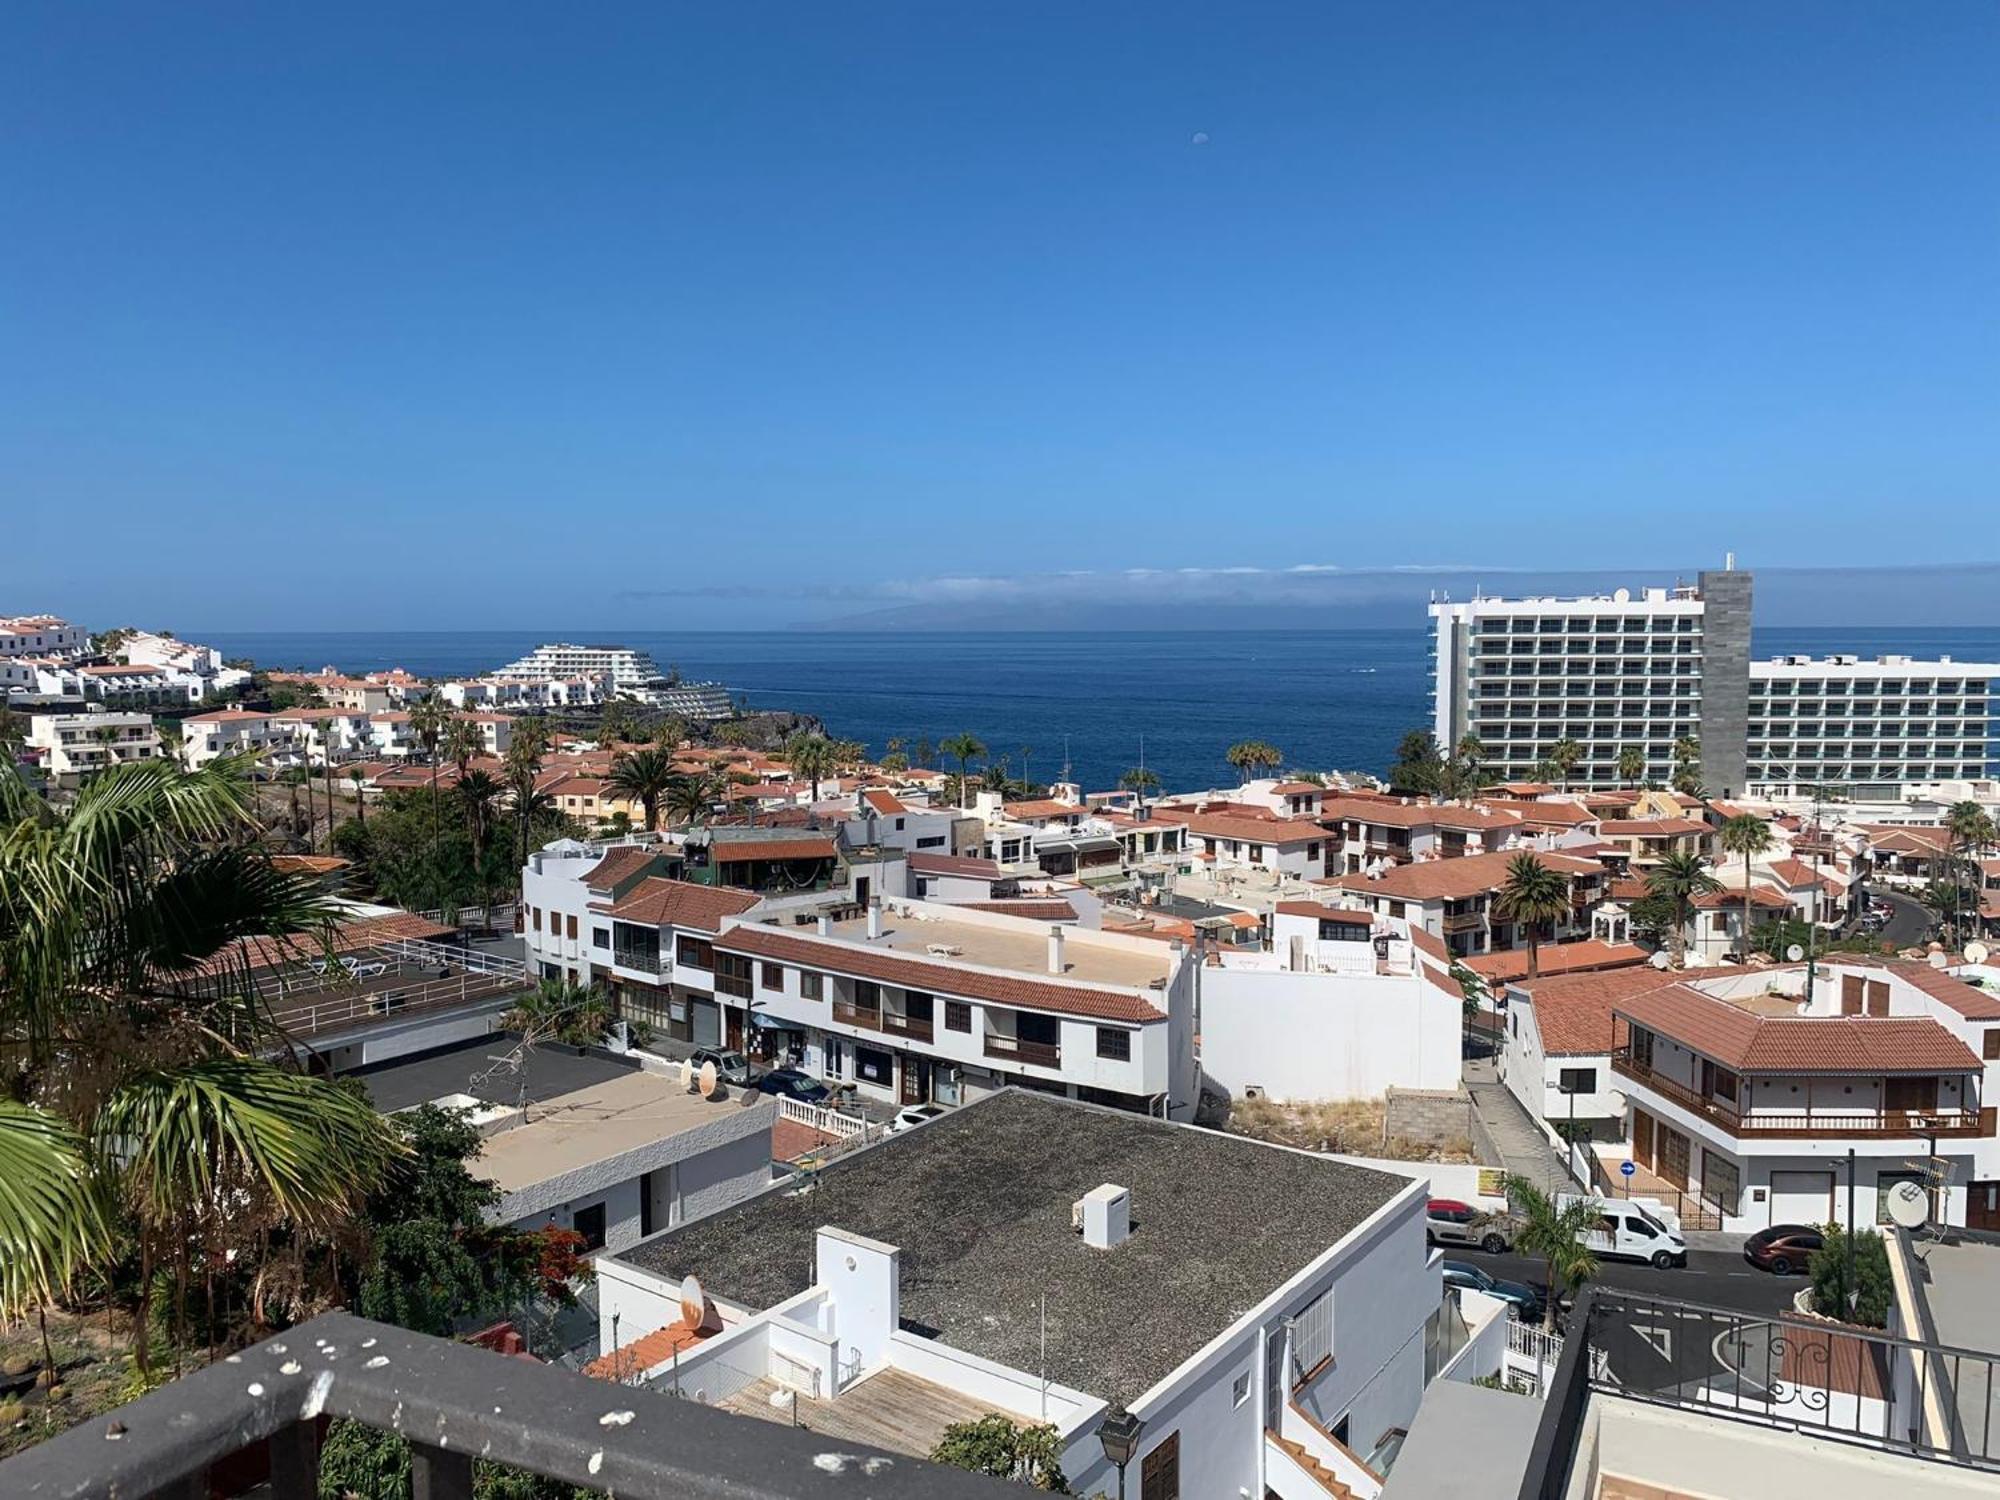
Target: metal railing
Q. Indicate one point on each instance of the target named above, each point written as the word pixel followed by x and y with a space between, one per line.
pixel 1953 1122
pixel 1818 1378
pixel 341 1008
pixel 452 1401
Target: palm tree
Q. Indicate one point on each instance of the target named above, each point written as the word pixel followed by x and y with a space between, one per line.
pixel 812 756
pixel 428 721
pixel 670 731
pixel 1749 836
pixel 1533 894
pixel 690 797
pixel 1678 879
pixel 525 747
pixel 1558 1233
pixel 136 1084
pixel 1250 757
pixel 1141 780
pixel 962 748
pixel 479 793
pixel 644 776
pixel 1972 832
pixel 360 779
pixel 1631 765
pixel 1687 766
pixel 1564 756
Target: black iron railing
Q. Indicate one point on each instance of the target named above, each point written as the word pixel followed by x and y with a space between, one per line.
pixel 452 1401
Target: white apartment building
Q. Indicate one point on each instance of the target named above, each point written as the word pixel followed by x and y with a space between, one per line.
pixel 41 635
pixel 313 736
pixel 183 658
pixel 1746 1098
pixel 1267 1317
pixel 1869 726
pixel 632 674
pixel 76 744
pixel 1646 669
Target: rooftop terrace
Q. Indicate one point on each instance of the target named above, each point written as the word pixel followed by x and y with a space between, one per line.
pixel 1021 947
pixel 979 1204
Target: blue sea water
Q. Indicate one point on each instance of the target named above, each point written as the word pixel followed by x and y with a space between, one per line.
pixel 1327 698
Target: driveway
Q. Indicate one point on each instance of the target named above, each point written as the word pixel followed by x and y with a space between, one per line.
pixel 1523 1148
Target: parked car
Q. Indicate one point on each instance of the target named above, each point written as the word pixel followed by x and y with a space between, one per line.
pixel 1526 1302
pixel 1630 1230
pixel 1451 1222
pixel 1783 1248
pixel 792 1084
pixel 915 1115
pixel 731 1067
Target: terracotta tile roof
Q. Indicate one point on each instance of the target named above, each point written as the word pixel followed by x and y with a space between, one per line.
pixel 884 801
pixel 1252 828
pixel 1042 807
pixel 618 865
pixel 1352 916
pixel 1430 947
pixel 889 967
pixel 643 1354
pixel 1455 879
pixel 1557 958
pixel 347 937
pixel 1526 788
pixel 1967 1000
pixel 922 863
pixel 1658 828
pixel 1553 814
pixel 1795 872
pixel 225 716
pixel 1922 841
pixel 659 902
pixel 1297 789
pixel 1732 896
pixel 1437 979
pixel 1415 815
pixel 741 851
pixel 307 864
pixel 1799 1044
pixel 1035 908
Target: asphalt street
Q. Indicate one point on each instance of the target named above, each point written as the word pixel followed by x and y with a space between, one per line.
pixel 1910 924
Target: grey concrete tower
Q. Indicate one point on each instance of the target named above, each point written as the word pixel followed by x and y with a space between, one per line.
pixel 1725 680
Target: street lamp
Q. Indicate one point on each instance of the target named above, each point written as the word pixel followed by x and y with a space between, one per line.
pixel 1119 1433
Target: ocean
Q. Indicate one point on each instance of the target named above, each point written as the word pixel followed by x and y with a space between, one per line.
pixel 1102 700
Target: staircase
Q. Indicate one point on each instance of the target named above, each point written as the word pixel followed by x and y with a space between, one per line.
pixel 1319 1471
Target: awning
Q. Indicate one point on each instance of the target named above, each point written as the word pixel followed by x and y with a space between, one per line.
pixel 769 1023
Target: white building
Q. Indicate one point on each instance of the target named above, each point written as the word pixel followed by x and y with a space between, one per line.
pixel 41 635
pixel 184 659
pixel 632 674
pixel 1266 1315
pixel 1871 726
pixel 74 745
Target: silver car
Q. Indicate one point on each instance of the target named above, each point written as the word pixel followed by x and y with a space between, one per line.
pixel 1449 1222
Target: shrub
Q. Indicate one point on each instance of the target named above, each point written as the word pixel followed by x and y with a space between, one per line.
pixel 1828 1269
pixel 993 1445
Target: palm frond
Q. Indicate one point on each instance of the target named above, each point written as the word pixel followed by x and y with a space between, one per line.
pixel 52 1219
pixel 181 1136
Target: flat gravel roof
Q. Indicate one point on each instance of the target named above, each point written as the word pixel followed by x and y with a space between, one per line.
pixel 551 1070
pixel 979 1201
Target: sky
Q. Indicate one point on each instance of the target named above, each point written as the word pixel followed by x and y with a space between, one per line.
pixel 731 316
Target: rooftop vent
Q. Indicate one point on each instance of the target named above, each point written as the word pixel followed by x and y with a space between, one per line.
pixel 1104 1214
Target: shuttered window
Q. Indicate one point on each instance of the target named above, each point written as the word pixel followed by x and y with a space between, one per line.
pixel 1160 1470
pixel 1312 1338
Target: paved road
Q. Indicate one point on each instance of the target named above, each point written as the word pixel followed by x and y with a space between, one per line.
pixel 1524 1150
pixel 1910 925
pixel 1719 1277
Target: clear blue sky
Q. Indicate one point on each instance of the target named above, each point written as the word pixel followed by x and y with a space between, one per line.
pixel 419 316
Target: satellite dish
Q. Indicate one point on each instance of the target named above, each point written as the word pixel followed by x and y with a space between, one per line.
pixel 687 1074
pixel 1909 1205
pixel 1621 596
pixel 1659 961
pixel 1795 953
pixel 1976 953
pixel 1939 961
pixel 694 1302
pixel 709 1080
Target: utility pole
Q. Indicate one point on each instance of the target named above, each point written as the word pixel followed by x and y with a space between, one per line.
pixel 1847 1282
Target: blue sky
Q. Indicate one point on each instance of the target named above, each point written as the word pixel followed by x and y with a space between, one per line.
pixel 412 317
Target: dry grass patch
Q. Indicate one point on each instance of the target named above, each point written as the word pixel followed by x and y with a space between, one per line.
pixel 1352 1127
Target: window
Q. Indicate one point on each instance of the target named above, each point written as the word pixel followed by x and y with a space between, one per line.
pixel 696 953
pixel 812 986
pixel 771 976
pixel 732 975
pixel 958 1016
pixel 867 995
pixel 572 929
pixel 1240 1392
pixel 589 1222
pixel 1160 1470
pixel 1312 1339
pixel 1114 1044
pixel 535 912
pixel 1578 1080
pixel 1989 1046
pixel 600 937
pixel 1256 851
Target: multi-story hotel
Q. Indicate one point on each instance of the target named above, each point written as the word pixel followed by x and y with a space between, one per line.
pixel 633 674
pixel 1650 669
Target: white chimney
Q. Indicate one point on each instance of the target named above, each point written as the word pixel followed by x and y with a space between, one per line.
pixel 824 925
pixel 1055 949
pixel 1107 1217
pixel 874 918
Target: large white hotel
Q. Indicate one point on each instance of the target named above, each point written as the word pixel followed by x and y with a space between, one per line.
pixel 1650 667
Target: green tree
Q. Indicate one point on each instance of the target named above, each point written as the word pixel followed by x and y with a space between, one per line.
pixel 1419 766
pixel 1631 765
pixel 691 797
pixel 1972 833
pixel 526 745
pixel 644 776
pixel 1252 758
pixel 1873 1289
pixel 577 1015
pixel 994 1445
pixel 1687 766
pixel 135 1084
pixel 360 779
pixel 895 763
pixel 1533 894
pixel 812 756
pixel 429 720
pixel 962 748
pixel 1748 836
pixel 1677 881
pixel 1557 1233
pixel 1564 756
pixel 1142 780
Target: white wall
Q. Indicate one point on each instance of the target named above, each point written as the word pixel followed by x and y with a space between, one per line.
pixel 1327 1036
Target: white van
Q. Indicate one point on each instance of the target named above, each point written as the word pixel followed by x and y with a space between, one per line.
pixel 1627 1229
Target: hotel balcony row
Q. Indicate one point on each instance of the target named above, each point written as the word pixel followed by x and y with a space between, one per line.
pixel 1911 1109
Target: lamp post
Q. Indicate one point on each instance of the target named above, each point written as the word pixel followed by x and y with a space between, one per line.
pixel 1119 1434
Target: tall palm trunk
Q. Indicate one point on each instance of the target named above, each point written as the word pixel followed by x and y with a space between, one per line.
pixel 1745 954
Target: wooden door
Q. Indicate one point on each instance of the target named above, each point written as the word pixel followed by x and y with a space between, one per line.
pixel 1852 988
pixel 1642 1139
pixel 1673 1166
pixel 1902 1095
pixel 1878 997
pixel 916 1080
pixel 735 1024
pixel 1982 1205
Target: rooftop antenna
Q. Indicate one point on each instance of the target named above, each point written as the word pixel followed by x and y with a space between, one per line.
pixel 1065 775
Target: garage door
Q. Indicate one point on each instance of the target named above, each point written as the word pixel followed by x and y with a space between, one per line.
pixel 1801 1197
pixel 707 1024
